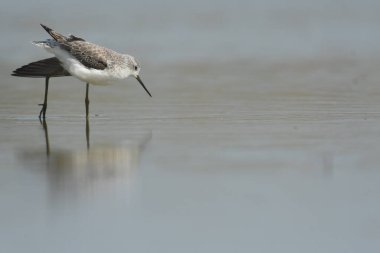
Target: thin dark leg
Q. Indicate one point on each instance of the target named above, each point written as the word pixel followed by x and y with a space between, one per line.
pixel 87 101
pixel 44 124
pixel 44 105
pixel 88 133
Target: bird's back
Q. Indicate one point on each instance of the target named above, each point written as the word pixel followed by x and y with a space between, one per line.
pixel 89 54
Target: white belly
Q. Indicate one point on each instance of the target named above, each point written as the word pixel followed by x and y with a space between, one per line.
pixel 77 69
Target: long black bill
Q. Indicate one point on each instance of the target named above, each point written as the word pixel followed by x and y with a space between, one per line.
pixel 142 84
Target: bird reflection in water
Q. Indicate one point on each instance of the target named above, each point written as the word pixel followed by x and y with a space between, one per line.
pixel 46 132
pixel 74 174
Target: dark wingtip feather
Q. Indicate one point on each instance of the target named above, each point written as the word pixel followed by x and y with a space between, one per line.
pixel 50 67
pixel 74 38
pixel 46 28
pixel 54 34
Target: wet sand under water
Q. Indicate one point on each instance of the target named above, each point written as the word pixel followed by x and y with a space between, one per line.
pixel 226 156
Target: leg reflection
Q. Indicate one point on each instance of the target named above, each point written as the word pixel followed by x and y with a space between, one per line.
pixel 73 172
pixel 87 101
pixel 45 127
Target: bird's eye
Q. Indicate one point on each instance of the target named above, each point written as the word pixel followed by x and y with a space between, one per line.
pixel 136 68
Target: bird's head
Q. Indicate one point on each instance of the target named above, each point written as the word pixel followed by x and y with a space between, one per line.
pixel 134 69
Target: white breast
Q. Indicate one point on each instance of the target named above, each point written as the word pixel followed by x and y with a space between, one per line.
pixel 77 69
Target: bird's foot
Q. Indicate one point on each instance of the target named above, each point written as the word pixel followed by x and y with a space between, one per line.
pixel 43 111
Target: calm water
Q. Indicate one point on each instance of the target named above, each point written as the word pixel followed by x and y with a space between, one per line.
pixel 262 134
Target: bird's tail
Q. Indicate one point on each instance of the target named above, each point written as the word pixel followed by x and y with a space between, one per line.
pixel 46 44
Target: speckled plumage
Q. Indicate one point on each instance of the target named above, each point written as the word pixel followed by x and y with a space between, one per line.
pixel 89 54
pixel 84 60
pixel 90 62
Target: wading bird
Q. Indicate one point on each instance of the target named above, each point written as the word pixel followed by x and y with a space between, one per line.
pixel 84 60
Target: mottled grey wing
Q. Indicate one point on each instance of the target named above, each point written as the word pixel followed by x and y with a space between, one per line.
pixel 90 55
pixel 50 67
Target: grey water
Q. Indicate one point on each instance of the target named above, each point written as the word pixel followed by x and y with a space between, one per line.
pixel 262 134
